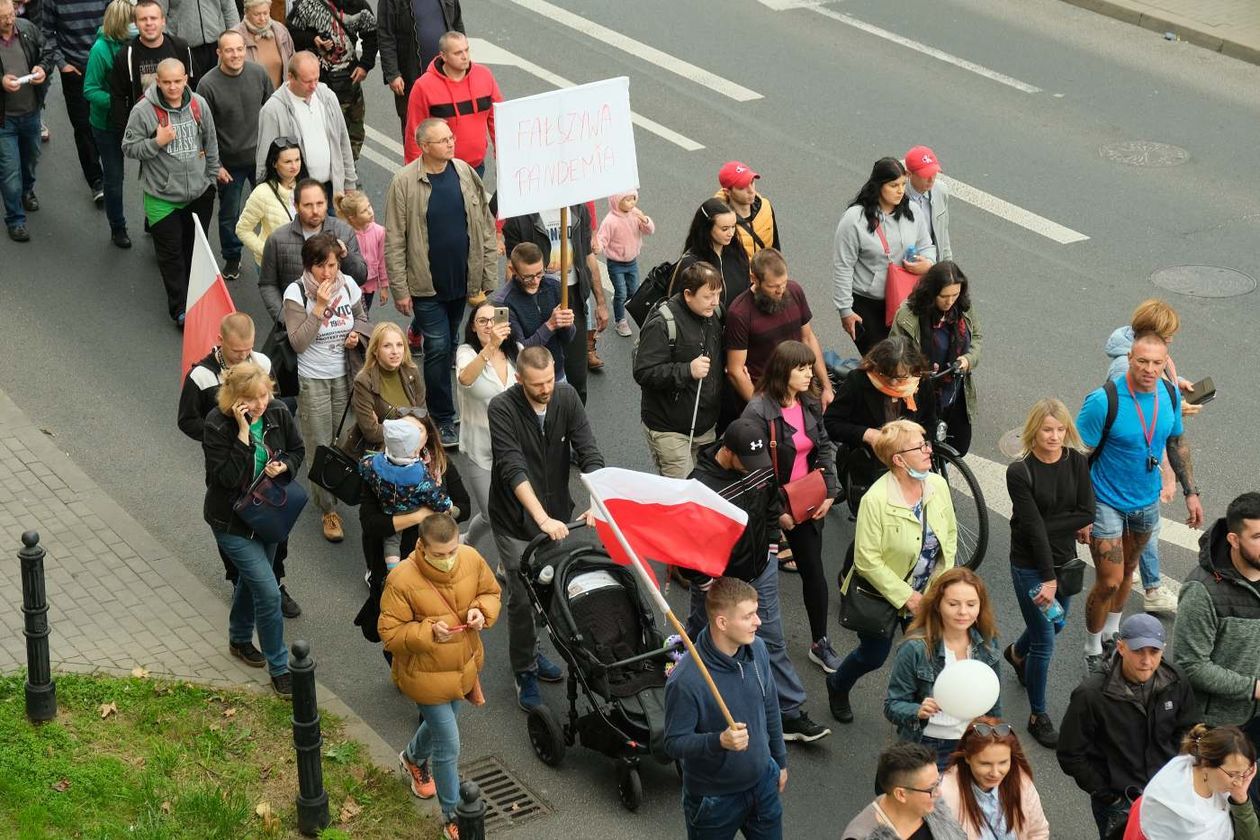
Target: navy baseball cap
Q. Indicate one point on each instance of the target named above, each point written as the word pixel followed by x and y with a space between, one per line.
pixel 1142 631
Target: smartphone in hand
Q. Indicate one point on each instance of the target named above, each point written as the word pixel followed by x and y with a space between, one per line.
pixel 1204 392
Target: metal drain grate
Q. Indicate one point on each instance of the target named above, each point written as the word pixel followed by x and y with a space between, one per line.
pixel 508 802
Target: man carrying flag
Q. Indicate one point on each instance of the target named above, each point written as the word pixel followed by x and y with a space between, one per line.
pixel 739 469
pixel 742 766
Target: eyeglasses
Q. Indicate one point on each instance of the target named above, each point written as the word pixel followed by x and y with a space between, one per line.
pixel 988 730
pixel 926 446
pixel 1239 777
pixel 444 141
pixel 931 791
pixel 418 412
pixel 483 322
pixel 530 277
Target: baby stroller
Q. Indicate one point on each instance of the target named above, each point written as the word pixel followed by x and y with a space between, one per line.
pixel 604 630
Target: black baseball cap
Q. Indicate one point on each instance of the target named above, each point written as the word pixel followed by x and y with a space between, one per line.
pixel 746 438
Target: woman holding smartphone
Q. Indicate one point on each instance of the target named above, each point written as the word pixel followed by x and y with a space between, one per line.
pixel 248 434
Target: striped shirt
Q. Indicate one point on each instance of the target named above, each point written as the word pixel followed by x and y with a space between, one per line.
pixel 70 30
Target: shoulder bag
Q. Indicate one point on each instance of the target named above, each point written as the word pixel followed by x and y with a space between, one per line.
pixel 475 695
pixel 863 608
pixel 1070 574
pixel 270 508
pixel 334 470
pixel 898 284
pixel 804 495
pixel 284 362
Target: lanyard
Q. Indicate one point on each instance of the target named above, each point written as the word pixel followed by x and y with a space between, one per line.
pixel 1148 433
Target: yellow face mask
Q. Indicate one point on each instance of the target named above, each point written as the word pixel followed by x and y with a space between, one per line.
pixel 441 562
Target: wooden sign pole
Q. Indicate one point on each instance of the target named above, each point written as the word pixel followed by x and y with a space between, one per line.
pixel 564 257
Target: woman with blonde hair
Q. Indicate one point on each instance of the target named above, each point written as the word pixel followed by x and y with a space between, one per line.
pixel 114 33
pixel 388 387
pixel 954 622
pixel 906 536
pixel 1052 507
pixel 250 433
pixel 989 785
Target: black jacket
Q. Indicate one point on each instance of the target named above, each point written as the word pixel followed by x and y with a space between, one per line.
pixel 200 393
pixel 732 265
pixel 396 28
pixel 530 228
pixel 664 372
pixel 523 452
pixel 757 495
pixel 859 406
pixel 763 409
pixel 230 463
pixel 1108 742
pixel 32 41
pixel 124 77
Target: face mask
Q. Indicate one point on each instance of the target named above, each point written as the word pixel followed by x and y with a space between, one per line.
pixel 442 564
pixel 918 475
pixel 132 30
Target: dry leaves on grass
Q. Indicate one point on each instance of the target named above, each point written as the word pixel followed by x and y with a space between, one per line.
pixel 229 712
pixel 269 820
pixel 349 810
pixel 166 807
pixel 140 673
pixel 61 785
pixel 108 709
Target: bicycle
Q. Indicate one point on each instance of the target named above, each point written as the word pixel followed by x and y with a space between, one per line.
pixel 972 518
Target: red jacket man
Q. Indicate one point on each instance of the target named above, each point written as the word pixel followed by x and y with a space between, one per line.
pixel 458 91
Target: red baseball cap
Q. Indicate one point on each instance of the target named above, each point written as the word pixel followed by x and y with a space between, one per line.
pixel 735 174
pixel 922 161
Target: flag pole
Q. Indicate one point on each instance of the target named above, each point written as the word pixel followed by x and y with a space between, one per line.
pixel 661 603
pixel 564 256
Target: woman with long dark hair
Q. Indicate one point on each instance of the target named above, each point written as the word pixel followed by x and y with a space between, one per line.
pixel 939 319
pixel 711 239
pixel 989 785
pixel 874 232
pixel 787 401
pixel 270 204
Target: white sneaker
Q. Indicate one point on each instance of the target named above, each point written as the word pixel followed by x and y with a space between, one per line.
pixel 1160 601
pixel 623 328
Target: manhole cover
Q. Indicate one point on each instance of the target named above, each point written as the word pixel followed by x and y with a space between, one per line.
pixel 1207 281
pixel 508 802
pixel 1143 153
pixel 1009 444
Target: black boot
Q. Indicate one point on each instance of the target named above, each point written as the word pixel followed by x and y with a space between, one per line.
pixel 839 703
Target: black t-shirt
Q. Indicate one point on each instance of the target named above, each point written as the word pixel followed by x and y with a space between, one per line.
pixel 924 833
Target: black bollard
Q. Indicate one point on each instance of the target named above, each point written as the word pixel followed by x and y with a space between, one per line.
pixel 470 813
pixel 312 799
pixel 41 691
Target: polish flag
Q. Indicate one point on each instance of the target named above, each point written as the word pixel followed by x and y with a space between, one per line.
pixel 671 520
pixel 208 301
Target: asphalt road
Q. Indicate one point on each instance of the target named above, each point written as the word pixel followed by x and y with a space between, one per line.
pixel 89 353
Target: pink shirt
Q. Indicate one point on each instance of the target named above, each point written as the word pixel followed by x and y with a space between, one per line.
pixel 795 417
pixel 372 246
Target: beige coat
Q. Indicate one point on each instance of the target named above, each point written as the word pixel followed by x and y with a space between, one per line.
pixel 407 235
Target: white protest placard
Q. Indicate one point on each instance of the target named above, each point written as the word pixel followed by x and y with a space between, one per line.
pixel 564 147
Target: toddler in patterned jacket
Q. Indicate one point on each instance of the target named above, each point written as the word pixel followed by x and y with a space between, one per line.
pixel 400 480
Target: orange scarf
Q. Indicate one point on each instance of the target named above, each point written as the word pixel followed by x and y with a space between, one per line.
pixel 904 392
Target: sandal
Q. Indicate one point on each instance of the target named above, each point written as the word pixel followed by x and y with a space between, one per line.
pixel 788 565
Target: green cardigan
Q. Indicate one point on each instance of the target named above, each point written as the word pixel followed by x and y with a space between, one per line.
pixel 906 323
pixel 96 79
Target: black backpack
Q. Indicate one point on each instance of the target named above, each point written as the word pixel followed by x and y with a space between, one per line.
pixel 1113 407
pixel 656 287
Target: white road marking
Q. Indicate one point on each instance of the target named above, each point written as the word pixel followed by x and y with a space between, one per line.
pixel 383 139
pixel 638 49
pixel 992 478
pixel 390 166
pixel 1013 213
pixel 901 40
pixel 488 53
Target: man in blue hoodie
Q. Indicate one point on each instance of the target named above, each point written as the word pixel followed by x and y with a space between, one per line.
pixel 732 775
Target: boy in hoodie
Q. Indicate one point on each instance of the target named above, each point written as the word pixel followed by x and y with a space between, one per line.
pixel 1216 639
pixel 620 239
pixel 400 480
pixel 171 132
pixel 732 775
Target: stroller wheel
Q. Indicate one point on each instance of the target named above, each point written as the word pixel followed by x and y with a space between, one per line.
pixel 629 786
pixel 545 736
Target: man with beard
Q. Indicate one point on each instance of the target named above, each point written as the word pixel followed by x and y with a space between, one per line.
pixel 773 310
pixel 1216 640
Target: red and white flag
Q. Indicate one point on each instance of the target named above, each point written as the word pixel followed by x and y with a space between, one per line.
pixel 671 520
pixel 208 301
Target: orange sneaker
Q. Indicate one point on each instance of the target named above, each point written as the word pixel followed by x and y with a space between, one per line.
pixel 422 784
pixel 451 831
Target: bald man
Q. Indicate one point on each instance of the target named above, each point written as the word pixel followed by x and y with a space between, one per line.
pixel 305 108
pixel 171 132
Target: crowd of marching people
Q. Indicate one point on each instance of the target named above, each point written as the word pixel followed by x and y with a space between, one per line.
pixel 459 430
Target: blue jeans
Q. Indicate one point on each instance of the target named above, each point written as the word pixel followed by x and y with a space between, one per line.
pixel 19 153
pixel 231 199
pixel 1148 561
pixel 625 280
pixel 109 146
pixel 439 321
pixel 437 742
pixel 1111 524
pixel 256 599
pixel 1036 644
pixel 786 680
pixel 870 655
pixel 757 813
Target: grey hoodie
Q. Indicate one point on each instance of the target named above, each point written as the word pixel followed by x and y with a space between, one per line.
pixel 189 164
pixel 197 22
pixel 1117 348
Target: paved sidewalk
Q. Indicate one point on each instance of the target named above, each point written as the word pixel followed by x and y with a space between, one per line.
pixel 117 598
pixel 1231 27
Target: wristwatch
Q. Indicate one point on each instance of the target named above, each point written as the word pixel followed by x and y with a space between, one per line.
pixel 1191 491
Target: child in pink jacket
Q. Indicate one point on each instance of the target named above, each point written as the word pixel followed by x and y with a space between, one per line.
pixel 357 210
pixel 620 239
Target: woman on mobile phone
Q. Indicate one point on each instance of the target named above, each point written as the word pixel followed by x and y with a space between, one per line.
pixel 248 434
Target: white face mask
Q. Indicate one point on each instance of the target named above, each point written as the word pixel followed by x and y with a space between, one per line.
pixel 917 475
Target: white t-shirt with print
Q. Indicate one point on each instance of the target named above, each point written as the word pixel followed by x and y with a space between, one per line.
pixel 551 221
pixel 325 358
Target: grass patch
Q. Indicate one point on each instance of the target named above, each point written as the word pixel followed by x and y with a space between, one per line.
pixel 153 760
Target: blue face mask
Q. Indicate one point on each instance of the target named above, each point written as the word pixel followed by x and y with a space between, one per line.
pixel 918 475
pixel 132 30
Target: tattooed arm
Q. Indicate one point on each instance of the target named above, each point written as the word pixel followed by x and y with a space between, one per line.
pixel 1183 467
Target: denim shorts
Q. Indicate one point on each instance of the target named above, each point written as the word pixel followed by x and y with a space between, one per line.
pixel 1110 524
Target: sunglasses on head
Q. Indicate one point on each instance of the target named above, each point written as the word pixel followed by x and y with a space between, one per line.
pixel 282 143
pixel 990 730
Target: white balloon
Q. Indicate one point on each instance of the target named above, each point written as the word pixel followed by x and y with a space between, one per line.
pixel 966 689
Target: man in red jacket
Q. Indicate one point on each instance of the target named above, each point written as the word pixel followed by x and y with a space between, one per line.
pixel 460 92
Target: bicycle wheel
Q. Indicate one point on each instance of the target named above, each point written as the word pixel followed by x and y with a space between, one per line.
pixel 969 507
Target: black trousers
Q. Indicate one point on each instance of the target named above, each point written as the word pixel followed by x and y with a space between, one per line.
pixel 204 57
pixel 872 329
pixel 806 542
pixel 173 241
pixel 575 352
pixel 84 144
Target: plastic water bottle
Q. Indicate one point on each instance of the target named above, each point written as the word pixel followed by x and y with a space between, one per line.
pixel 911 252
pixel 1053 611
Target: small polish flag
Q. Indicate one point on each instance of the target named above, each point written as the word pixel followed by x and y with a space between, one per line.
pixel 208 301
pixel 671 520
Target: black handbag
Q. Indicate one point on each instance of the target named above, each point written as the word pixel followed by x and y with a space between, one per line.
pixel 863 608
pixel 283 358
pixel 334 470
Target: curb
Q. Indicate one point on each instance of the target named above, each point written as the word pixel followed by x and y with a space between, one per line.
pixel 1135 13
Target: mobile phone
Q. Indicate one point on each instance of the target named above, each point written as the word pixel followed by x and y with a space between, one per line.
pixel 500 314
pixel 1204 392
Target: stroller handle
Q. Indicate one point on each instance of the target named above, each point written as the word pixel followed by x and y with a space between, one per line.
pixel 538 541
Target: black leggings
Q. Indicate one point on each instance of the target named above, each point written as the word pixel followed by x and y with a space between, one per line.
pixel 806 542
pixel 955 416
